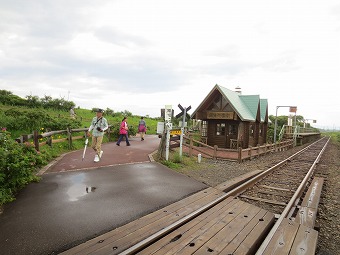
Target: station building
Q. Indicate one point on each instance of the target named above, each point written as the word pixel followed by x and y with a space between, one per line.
pixel 232 120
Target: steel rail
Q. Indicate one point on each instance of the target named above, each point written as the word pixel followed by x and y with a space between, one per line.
pixel 291 203
pixel 161 233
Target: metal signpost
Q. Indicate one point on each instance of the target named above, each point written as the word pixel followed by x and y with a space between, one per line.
pixel 184 113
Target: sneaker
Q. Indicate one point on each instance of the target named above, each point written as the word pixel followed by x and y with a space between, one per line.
pixel 96 158
pixel 101 154
pixel 118 144
pixel 128 145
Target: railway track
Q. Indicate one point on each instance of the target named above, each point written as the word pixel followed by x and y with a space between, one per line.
pixel 243 220
pixel 274 189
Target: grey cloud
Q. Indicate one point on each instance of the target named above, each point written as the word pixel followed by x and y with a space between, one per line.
pixel 229 51
pixel 228 68
pixel 46 21
pixel 114 36
pixel 284 63
pixel 144 72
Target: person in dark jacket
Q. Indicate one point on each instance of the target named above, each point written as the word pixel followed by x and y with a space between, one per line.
pixel 142 128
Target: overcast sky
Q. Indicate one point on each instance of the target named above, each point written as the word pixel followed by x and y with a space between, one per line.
pixel 139 55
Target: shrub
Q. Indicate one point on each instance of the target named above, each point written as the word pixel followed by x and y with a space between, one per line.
pixel 18 163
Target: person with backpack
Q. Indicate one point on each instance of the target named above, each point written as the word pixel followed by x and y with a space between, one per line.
pixel 142 128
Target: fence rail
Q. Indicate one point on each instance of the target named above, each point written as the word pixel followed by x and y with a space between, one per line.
pixel 238 154
pixel 35 136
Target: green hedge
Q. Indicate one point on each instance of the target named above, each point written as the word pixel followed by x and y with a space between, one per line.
pixel 18 164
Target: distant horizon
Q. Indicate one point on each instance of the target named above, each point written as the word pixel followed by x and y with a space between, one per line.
pixel 326 128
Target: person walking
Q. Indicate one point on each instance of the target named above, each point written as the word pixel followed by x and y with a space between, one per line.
pixel 123 132
pixel 73 115
pixel 98 125
pixel 142 128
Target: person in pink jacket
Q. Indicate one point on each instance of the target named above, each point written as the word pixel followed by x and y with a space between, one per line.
pixel 123 132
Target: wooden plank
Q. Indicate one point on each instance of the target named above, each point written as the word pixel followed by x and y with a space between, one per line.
pixel 305 241
pixel 306 216
pixel 229 232
pixel 182 234
pixel 279 194
pixel 195 239
pixel 313 194
pixel 275 188
pixel 232 183
pixel 264 200
pixel 239 239
pixel 254 239
pixel 308 210
pixel 283 238
pixel 182 207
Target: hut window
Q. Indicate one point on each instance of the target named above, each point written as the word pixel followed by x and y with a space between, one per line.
pixel 204 131
pixel 261 129
pixel 220 129
pixel 251 130
pixel 232 130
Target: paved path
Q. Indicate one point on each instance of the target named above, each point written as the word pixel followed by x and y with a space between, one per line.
pixel 113 155
pixel 71 206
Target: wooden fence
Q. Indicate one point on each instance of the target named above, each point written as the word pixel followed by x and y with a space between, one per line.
pixel 35 136
pixel 239 154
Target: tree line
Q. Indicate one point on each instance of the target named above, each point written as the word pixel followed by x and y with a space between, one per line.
pixel 30 101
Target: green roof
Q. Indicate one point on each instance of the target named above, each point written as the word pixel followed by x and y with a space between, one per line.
pixel 246 106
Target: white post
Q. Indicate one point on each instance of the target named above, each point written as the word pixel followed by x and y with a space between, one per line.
pixel 167 143
pixel 168 126
pixel 182 133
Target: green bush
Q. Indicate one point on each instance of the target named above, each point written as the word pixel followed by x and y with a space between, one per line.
pixel 35 119
pixel 18 164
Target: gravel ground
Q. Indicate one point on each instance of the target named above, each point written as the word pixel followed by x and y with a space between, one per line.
pixel 213 172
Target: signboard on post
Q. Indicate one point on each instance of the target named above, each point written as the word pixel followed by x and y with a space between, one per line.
pixel 292 109
pixel 160 128
pixel 168 113
pixel 176 132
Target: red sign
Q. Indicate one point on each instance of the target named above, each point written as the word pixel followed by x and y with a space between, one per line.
pixel 292 109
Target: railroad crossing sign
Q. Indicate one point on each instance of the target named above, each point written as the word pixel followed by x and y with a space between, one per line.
pixel 183 111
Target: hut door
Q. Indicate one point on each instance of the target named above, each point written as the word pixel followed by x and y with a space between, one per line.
pixel 220 134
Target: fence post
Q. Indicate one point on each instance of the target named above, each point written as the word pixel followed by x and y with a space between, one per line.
pixel 24 138
pixel 239 154
pixel 49 138
pixel 215 151
pixel 108 132
pixel 190 146
pixel 69 137
pixel 36 139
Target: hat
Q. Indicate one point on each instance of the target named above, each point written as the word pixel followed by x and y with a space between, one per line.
pixel 99 110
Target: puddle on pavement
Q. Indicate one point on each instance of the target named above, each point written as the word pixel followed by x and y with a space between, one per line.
pixel 78 189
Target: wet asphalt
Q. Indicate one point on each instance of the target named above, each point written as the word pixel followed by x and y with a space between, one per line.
pixel 67 208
